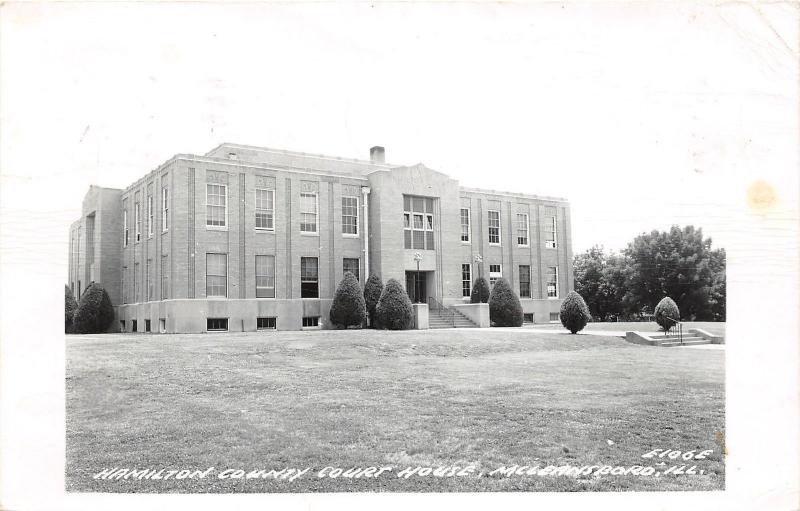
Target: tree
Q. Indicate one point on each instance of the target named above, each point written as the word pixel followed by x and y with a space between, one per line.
pixel 348 308
pixel 574 312
pixel 480 291
pixel 95 312
pixel 601 280
pixel 70 306
pixel 372 293
pixel 717 293
pixel 504 306
pixel 394 310
pixel 667 313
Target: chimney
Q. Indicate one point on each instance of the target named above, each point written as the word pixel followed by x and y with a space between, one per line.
pixel 377 154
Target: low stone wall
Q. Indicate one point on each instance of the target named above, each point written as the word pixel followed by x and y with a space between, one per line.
pixel 715 339
pixel 478 313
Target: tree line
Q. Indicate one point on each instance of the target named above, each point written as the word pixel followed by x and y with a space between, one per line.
pixel 679 263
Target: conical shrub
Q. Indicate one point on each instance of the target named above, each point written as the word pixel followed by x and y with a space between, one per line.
pixel 348 308
pixel 393 310
pixel 504 306
pixel 666 313
pixel 372 293
pixel 95 312
pixel 574 312
pixel 70 306
pixel 480 291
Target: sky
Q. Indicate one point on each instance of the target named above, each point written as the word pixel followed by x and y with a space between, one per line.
pixel 642 115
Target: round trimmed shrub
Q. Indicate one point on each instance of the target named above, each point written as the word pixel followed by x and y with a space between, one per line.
pixel 393 310
pixel 70 306
pixel 666 312
pixel 480 291
pixel 372 293
pixel 95 312
pixel 504 306
pixel 574 312
pixel 348 308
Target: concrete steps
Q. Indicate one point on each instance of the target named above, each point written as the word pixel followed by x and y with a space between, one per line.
pixel 692 338
pixel 435 320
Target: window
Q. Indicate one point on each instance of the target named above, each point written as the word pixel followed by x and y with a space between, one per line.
pixel 265 276
pixel 524 281
pixel 149 279
pixel 527 317
pixel 265 209
pixel 137 289
pixel 310 321
pixel 522 229
pixel 265 323
pixel 164 210
pixel 309 277
pixel 216 205
pixel 164 277
pixel 308 213
pixel 550 228
pixel 217 275
pixel 418 222
pixel 554 317
pixel 465 225
pixel 124 285
pixel 137 219
pixel 134 327
pixel 217 324
pixel 79 289
pixel 552 281
pixel 494 227
pixel 122 325
pixel 351 265
pixel 466 279
pixel 495 272
pixel 149 215
pixel 125 237
pixel 350 215
pixel 146 325
pixel 162 325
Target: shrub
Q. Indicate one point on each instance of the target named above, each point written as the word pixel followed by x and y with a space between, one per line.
pixel 574 312
pixel 394 307
pixel 665 310
pixel 348 308
pixel 504 306
pixel 372 293
pixel 480 291
pixel 70 306
pixel 95 312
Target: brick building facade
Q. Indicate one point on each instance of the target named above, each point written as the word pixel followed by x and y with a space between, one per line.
pixel 247 238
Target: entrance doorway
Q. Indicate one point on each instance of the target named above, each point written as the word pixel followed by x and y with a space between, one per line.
pixel 415 286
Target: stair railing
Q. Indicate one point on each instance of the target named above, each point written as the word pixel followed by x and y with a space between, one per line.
pixel 446 314
pixel 679 325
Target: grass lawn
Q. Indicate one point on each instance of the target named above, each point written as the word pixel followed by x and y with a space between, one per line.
pixel 715 328
pixel 363 398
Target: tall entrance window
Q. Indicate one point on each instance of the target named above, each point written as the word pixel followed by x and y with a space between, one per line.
pixel 415 286
pixel 525 281
pixel 418 222
pixel 309 277
pixel 265 276
pixel 217 275
pixel 351 264
pixel 466 280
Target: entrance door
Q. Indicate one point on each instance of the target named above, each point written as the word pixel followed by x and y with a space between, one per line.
pixel 415 286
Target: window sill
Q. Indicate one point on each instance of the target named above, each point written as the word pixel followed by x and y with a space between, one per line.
pixel 347 235
pixel 166 231
pixel 216 227
pixel 216 297
pixel 303 233
pixel 265 230
pixel 495 244
pixel 466 242
pixel 523 246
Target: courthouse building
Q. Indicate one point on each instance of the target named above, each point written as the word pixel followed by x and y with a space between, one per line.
pixel 248 238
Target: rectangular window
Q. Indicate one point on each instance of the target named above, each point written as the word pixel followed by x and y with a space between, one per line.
pixel 524 281
pixel 522 229
pixel 134 325
pixel 554 317
pixel 308 213
pixel 309 277
pixel 217 275
pixel 137 289
pixel 550 228
pixel 351 265
pixel 149 215
pixel 149 279
pixel 310 321
pixel 418 222
pixel 216 205
pixel 265 209
pixel 265 323
pixel 126 235
pixel 495 272
pixel 466 280
pixel 217 324
pixel 146 325
pixel 465 225
pixel 527 317
pixel 350 215
pixel 124 285
pixel 122 325
pixel 137 218
pixel 164 210
pixel 494 227
pixel 552 281
pixel 265 276
pixel 162 325
pixel 164 277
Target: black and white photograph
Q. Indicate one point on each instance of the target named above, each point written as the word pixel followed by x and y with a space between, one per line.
pixel 389 254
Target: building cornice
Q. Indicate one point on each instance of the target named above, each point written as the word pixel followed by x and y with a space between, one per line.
pixel 513 195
